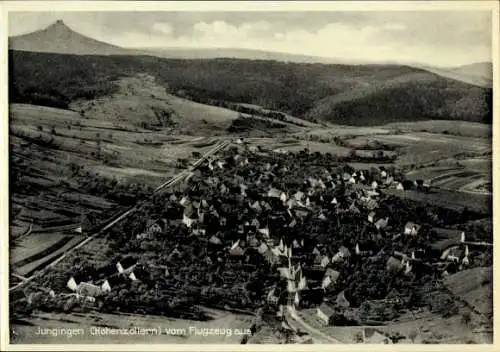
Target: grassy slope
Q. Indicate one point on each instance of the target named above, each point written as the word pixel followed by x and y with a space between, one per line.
pixel 50 193
pixel 367 94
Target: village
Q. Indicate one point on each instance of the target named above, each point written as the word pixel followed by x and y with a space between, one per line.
pixel 275 232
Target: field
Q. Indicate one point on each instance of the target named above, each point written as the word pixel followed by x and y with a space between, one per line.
pixel 33 244
pixel 26 330
pixel 463 178
pixel 475 287
pixel 459 128
pixel 423 147
pixel 72 171
pixel 56 150
pixel 37 249
pixel 429 327
pixel 480 203
pixel 294 145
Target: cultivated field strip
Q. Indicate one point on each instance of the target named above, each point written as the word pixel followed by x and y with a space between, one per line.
pixel 125 214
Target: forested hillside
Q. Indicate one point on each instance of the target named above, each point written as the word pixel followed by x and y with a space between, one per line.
pixel 347 94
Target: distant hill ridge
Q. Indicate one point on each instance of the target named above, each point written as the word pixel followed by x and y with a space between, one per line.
pixel 59 38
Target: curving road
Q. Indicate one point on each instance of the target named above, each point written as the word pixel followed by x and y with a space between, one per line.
pixel 298 323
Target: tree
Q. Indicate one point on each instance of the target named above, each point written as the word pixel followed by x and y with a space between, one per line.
pixel 413 335
pixel 466 318
pixel 353 154
pixel 98 136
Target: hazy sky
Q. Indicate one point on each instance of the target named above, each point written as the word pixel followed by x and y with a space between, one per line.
pixel 438 38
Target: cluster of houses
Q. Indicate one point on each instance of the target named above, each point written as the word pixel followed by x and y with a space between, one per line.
pixel 91 285
pixel 266 202
pixel 246 208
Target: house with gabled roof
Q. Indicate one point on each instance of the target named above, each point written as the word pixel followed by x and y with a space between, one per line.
pixel 372 194
pixel 342 254
pixel 262 248
pixel 341 301
pixel 375 336
pixel 154 227
pixel 126 264
pixel 215 240
pixel 382 223
pixel 291 286
pixel 256 206
pixel 273 296
pixel 86 289
pixel 236 250
pixel 331 277
pixel 411 228
pixel 371 217
pixel 285 273
pixel 113 281
pixel 389 180
pixel 354 209
pixel 106 271
pixel 75 280
pixel 453 254
pixel 273 193
pixel 271 257
pixel 190 217
pixel 253 241
pixel 324 261
pixel 325 312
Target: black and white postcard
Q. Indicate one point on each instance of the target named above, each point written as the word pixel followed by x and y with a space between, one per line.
pixel 240 173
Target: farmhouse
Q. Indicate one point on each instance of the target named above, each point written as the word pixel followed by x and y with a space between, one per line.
pixel 113 282
pixel 215 240
pixel 331 277
pixel 237 250
pixel 411 228
pixel 381 223
pixel 342 254
pixel 342 301
pixel 75 280
pixel 454 254
pixel 371 217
